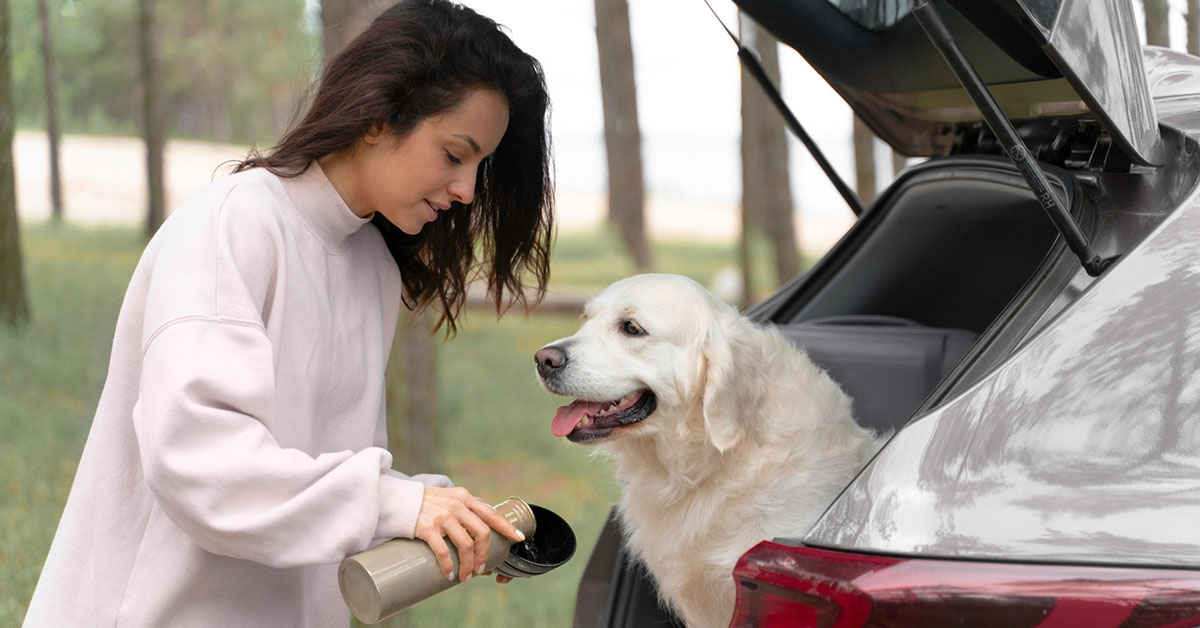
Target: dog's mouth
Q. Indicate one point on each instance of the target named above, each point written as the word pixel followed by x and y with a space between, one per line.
pixel 583 421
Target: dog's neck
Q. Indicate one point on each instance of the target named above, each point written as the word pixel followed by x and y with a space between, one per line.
pixel 671 466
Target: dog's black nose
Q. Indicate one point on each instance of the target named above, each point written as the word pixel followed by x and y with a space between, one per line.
pixel 549 360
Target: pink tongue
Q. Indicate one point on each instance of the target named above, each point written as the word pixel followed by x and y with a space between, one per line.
pixel 568 417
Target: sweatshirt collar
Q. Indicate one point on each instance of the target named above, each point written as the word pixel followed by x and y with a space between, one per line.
pixel 322 208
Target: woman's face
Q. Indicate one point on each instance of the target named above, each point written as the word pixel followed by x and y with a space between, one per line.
pixel 410 179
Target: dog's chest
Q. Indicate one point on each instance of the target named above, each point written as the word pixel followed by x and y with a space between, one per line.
pixel 703 527
pixel 689 549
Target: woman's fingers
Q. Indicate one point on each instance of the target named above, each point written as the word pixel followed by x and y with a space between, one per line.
pixel 495 521
pixel 442 551
pixel 467 521
pixel 466 548
pixel 481 534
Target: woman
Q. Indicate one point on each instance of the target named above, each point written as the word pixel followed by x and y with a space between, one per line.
pixel 237 451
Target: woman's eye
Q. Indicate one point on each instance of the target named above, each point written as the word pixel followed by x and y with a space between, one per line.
pixel 631 328
pixel 453 159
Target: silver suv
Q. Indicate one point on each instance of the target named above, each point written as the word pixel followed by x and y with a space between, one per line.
pixel 1023 309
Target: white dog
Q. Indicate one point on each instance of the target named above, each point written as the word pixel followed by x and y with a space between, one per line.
pixel 724 433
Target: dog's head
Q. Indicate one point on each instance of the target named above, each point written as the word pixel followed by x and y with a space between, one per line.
pixel 655 354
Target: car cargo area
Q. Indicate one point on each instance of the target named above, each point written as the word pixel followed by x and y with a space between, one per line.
pixel 906 294
pixel 949 245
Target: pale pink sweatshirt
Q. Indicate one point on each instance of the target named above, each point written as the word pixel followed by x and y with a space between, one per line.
pixel 237 453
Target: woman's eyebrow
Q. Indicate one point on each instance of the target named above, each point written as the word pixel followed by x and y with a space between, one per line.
pixel 470 140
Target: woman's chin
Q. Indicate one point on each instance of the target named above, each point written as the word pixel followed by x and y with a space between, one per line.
pixel 410 227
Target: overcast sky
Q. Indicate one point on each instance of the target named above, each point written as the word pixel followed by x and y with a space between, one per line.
pixel 687 75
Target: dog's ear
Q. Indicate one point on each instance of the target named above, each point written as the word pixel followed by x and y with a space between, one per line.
pixel 730 389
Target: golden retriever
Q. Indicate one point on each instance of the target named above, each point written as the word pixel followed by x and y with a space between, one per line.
pixel 724 433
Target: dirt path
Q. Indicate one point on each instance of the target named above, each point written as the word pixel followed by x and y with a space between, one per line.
pixel 104 182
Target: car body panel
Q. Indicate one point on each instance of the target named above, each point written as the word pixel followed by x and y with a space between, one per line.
pixel 1095 44
pixel 1174 81
pixel 1083 447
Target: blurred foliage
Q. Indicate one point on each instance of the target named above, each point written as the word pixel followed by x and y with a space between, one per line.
pixel 589 263
pixel 232 71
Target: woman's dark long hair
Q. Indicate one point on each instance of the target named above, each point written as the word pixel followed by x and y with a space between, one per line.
pixel 420 58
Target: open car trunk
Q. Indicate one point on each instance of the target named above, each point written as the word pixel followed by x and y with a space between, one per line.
pixel 1042 59
pixel 948 264
pixel 941 275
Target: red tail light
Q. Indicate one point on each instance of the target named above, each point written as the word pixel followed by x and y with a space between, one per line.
pixel 799 587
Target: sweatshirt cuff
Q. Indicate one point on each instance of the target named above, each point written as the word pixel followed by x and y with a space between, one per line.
pixel 428 479
pixel 399 505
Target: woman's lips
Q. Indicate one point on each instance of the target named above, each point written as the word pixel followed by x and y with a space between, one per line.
pixel 432 211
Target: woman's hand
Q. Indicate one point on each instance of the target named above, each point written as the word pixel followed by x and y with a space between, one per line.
pixel 464 519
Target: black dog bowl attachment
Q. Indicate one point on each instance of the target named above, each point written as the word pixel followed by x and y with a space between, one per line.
pixel 552 544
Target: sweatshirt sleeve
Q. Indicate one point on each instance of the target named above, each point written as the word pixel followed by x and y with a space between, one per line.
pixel 202 425
pixel 426 479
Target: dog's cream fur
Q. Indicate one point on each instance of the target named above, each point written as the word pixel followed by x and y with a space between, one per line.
pixel 749 441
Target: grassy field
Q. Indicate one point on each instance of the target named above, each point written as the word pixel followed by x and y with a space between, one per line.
pixel 495 430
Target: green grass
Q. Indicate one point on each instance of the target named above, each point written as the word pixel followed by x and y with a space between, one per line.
pixel 51 373
pixel 495 420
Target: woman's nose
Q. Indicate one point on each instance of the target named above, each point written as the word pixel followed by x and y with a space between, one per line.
pixel 462 189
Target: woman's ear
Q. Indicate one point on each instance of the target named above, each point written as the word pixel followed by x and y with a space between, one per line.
pixel 375 133
pixel 730 381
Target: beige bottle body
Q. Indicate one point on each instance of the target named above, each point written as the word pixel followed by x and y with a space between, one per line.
pixel 396 574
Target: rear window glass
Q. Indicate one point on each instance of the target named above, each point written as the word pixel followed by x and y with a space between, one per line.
pixel 874 14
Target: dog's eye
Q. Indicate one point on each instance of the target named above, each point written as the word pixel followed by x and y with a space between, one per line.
pixel 631 328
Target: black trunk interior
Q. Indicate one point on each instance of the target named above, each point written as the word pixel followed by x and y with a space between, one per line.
pixel 948 246
pixel 891 311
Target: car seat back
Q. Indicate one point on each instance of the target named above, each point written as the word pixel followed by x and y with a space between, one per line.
pixel 887 365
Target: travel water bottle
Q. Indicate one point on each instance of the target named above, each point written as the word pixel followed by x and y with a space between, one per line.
pixel 396 574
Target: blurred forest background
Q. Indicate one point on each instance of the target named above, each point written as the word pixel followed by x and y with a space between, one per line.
pixel 230 71
pixel 204 80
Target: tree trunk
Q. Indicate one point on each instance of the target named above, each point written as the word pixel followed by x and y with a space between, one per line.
pixel 622 137
pixel 153 117
pixel 412 397
pixel 1193 27
pixel 1157 23
pixel 864 161
pixel 343 20
pixel 216 98
pixel 412 408
pixel 282 111
pixel 899 161
pixel 53 135
pixel 766 193
pixel 14 305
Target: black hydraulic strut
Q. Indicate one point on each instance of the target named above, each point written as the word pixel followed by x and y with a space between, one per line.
pixel 931 21
pixel 750 60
